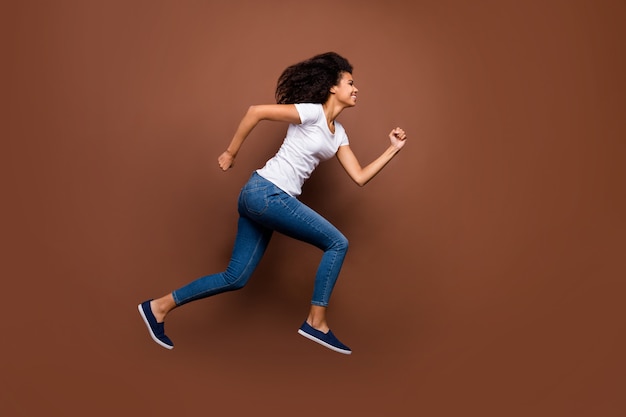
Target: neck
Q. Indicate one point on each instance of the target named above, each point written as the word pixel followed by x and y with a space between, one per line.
pixel 331 110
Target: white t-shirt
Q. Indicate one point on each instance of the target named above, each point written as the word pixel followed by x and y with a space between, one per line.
pixel 304 147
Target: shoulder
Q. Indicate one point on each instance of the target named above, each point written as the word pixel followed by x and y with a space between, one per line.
pixel 309 112
pixel 310 106
pixel 340 134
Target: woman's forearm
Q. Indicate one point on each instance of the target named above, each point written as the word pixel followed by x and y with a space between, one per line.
pixel 248 122
pixel 373 168
pixel 362 175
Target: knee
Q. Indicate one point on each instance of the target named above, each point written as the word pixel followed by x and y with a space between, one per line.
pixel 237 285
pixel 341 243
pixel 235 282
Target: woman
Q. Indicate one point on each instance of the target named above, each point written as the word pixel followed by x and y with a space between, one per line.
pixel 310 95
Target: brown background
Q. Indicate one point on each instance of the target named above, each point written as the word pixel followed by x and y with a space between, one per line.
pixel 483 277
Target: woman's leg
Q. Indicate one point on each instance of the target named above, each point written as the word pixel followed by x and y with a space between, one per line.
pixel 287 215
pixel 292 218
pixel 317 318
pixel 250 245
pixel 308 226
pixel 263 207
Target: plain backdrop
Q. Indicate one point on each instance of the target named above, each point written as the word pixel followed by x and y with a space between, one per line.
pixel 485 274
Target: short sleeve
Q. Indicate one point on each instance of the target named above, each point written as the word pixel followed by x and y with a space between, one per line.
pixel 309 112
pixel 342 136
pixel 344 140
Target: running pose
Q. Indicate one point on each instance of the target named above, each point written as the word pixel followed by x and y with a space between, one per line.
pixel 310 95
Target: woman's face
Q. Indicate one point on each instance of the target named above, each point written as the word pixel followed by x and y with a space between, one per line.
pixel 345 91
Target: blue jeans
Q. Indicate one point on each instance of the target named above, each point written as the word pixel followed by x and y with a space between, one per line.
pixel 264 208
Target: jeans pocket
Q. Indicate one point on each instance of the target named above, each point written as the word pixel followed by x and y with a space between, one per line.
pixel 254 199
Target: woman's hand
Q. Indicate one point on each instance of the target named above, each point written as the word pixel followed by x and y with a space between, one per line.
pixel 226 160
pixel 398 138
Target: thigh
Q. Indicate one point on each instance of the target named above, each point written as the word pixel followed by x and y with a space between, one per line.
pixel 250 244
pixel 295 219
pixel 265 204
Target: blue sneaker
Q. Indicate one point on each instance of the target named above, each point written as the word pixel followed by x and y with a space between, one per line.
pixel 325 339
pixel 157 330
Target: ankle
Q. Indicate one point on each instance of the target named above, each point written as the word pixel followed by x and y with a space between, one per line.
pixel 317 324
pixel 317 318
pixel 158 310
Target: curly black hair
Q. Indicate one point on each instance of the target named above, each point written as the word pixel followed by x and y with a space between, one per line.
pixel 310 81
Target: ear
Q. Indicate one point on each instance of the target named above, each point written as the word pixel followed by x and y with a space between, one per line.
pixel 333 89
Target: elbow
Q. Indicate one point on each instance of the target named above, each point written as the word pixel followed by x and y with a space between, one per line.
pixel 359 178
pixel 360 181
pixel 253 115
pixel 252 110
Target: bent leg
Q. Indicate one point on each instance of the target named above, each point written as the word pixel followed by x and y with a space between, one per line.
pixel 250 245
pixel 295 219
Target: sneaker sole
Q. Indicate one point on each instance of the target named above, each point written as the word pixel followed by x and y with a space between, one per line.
pixel 156 339
pixel 321 342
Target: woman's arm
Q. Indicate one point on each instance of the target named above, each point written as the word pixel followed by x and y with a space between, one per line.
pixel 362 175
pixel 275 112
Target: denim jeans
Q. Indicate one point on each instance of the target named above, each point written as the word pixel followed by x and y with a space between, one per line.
pixel 263 209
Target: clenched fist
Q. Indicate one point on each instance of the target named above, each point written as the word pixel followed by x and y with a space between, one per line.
pixel 397 137
pixel 226 160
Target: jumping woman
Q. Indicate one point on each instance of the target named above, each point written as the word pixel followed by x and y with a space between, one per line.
pixel 310 95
